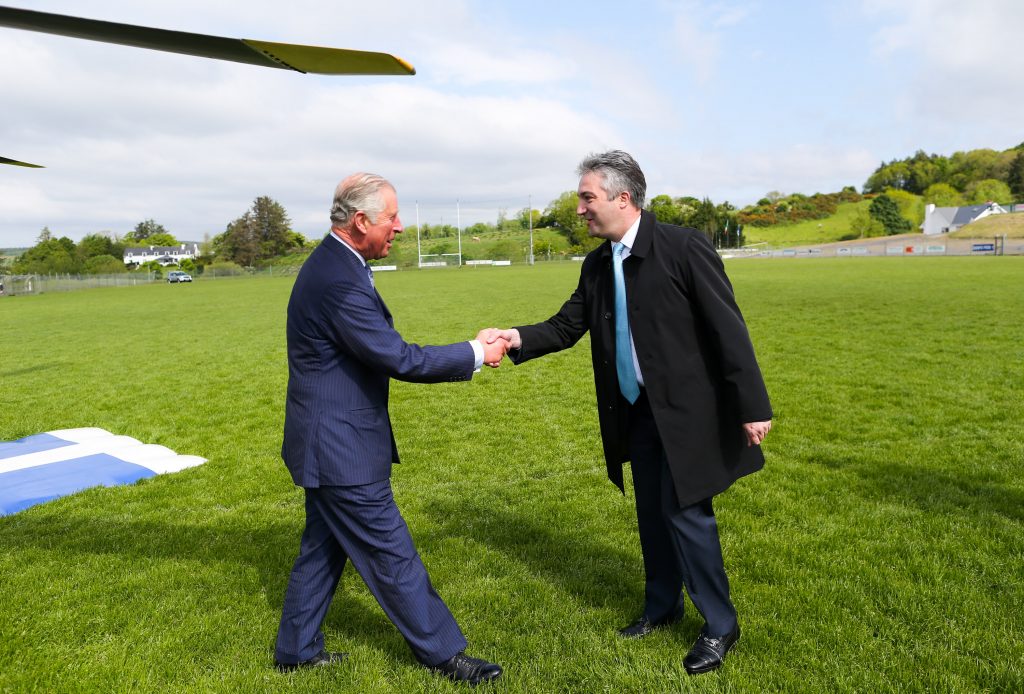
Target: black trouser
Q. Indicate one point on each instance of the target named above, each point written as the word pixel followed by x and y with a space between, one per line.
pixel 680 545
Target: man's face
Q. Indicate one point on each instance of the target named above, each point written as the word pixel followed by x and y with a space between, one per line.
pixel 380 232
pixel 606 219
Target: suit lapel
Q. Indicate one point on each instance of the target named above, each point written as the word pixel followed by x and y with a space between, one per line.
pixel 351 264
pixel 641 248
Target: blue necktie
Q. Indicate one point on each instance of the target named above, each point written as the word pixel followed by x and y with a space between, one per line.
pixel 623 350
pixel 369 272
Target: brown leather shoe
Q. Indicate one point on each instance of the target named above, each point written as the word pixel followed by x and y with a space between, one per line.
pixel 463 668
pixel 319 660
pixel 708 653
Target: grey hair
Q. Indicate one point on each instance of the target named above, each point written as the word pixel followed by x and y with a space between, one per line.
pixel 359 191
pixel 620 172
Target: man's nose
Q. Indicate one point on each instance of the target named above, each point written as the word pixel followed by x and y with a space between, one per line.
pixel 397 225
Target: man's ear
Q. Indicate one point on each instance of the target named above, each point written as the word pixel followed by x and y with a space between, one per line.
pixel 359 222
pixel 624 199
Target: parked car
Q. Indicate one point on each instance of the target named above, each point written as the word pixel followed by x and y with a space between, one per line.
pixel 178 276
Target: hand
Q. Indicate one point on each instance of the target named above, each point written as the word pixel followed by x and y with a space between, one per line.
pixel 756 431
pixel 510 335
pixel 494 346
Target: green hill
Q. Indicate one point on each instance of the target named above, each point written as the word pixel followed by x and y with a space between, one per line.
pixel 994 225
pixel 810 231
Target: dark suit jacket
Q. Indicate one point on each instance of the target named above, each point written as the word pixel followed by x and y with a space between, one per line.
pixel 342 352
pixel 694 350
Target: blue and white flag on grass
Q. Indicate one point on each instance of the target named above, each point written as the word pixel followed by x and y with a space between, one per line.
pixel 46 466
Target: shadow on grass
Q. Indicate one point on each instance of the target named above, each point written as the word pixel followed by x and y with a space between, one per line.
pixel 30 369
pixel 943 492
pixel 931 490
pixel 591 570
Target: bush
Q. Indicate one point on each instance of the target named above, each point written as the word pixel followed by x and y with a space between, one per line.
pixel 104 265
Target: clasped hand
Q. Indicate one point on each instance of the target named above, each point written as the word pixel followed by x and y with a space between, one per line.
pixel 496 343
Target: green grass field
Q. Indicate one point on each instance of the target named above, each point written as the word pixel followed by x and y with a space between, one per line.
pixel 881 548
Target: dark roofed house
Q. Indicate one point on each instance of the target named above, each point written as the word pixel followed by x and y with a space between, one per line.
pixel 942 220
pixel 165 255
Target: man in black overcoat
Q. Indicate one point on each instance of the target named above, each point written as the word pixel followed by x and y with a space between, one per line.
pixel 679 392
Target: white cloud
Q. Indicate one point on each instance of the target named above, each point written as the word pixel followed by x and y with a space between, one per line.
pixel 474 65
pixel 744 177
pixel 697 47
pixel 963 62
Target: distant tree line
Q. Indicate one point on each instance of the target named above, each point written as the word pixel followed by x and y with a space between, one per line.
pixel 262 233
pixel 101 253
pixel 965 178
pixel 898 190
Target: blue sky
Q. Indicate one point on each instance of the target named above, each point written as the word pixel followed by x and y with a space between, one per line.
pixel 725 99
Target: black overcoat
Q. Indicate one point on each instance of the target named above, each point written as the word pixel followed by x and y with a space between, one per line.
pixel 694 351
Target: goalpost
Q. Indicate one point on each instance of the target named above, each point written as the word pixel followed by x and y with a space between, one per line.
pixel 448 249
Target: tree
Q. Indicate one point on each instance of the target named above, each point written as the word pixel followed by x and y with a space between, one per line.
pixel 864 226
pixel 104 265
pixel 153 267
pixel 49 256
pixel 262 232
pixel 895 174
pixel 667 210
pixel 93 245
pixel 526 216
pixel 161 239
pixel 885 210
pixel 1015 176
pixel 562 212
pixel 988 190
pixel 706 219
pixel 942 195
pixel 143 230
pixel 910 205
pixel 976 165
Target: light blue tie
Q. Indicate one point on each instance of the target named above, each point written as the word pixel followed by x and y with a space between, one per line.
pixel 623 350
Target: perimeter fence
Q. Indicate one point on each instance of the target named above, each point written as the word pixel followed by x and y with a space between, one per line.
pixel 887 247
pixel 16 285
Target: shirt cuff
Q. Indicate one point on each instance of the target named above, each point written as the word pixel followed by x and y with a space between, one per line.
pixel 478 355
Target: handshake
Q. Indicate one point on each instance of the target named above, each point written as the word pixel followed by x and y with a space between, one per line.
pixel 496 343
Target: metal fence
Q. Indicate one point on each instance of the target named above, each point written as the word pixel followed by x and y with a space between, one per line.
pixel 887 246
pixel 19 285
pixel 15 285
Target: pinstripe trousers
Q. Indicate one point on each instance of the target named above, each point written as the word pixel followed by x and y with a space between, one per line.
pixel 362 523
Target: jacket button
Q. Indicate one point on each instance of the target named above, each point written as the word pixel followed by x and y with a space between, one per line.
pixel 607 315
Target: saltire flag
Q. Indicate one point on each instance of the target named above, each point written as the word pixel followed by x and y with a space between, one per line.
pixel 46 466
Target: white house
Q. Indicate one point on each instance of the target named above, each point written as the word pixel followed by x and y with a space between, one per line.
pixel 165 255
pixel 942 220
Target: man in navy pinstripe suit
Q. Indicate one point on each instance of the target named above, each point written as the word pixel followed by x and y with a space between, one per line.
pixel 338 444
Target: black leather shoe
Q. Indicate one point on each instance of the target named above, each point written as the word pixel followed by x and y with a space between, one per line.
pixel 644 626
pixel 319 660
pixel 708 653
pixel 463 668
